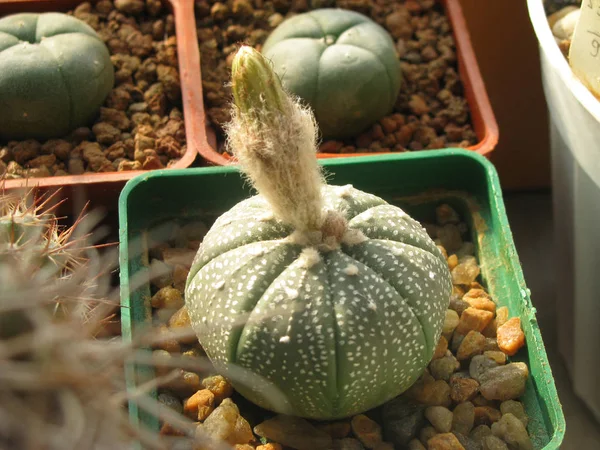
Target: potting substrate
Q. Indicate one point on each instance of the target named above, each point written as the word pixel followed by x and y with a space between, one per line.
pixel 140 125
pixel 431 111
pixel 468 396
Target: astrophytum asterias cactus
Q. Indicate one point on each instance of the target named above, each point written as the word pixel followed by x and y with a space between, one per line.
pixel 332 295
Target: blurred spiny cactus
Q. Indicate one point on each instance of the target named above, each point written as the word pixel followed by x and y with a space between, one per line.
pixel 62 387
pixel 38 255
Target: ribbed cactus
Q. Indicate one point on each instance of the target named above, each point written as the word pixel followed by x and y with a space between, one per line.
pixel 331 294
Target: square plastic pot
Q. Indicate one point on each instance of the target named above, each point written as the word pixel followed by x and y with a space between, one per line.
pixel 482 115
pixel 415 181
pixel 102 189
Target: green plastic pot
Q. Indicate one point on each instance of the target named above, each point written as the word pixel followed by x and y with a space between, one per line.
pixel 415 181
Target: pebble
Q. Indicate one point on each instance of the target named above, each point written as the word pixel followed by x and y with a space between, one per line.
pixel 491 345
pixel 450 323
pixel 366 430
pixel 331 147
pixel 516 409
pixel 510 336
pixel 275 20
pixel 161 274
pixel 427 433
pixel 337 430
pixel 445 214
pixel 200 405
pixel 165 340
pixel 294 432
pixel 565 26
pixel 171 401
pixel 504 382
pixel 486 415
pixel 445 441
pixel 466 442
pixel 226 424
pixel 440 417
pixel 478 299
pixel 511 430
pixel 441 348
pixel 450 237
pixel 415 444
pixel 402 419
pixel 457 339
pixel 161 364
pixel 436 393
pixel 497 356
pixel 493 443
pixel 219 386
pixel 479 400
pixel 270 446
pixel 463 389
pixel 479 365
pixel 473 319
pixel 479 433
pixel 169 298
pixel 418 105
pixel 384 446
pixel 443 368
pixel 560 13
pixel 463 418
pixel 501 315
pixel 466 271
pixel 347 444
pixel 473 344
pixel 180 321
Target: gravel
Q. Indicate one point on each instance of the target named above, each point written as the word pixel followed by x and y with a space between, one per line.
pixel 466 402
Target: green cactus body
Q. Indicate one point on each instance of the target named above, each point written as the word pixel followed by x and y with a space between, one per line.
pixel 55 73
pixel 339 330
pixel 340 62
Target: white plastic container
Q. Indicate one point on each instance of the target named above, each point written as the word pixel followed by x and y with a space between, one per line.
pixel 574 115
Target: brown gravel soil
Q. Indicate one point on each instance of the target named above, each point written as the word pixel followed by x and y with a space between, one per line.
pixel 469 397
pixel 431 111
pixel 140 125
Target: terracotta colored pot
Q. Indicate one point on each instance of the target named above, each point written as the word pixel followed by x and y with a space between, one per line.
pixel 482 116
pixel 104 188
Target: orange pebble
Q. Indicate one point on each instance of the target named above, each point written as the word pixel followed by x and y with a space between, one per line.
pixel 473 319
pixel 510 337
pixel 269 446
pixel 441 349
pixel 203 397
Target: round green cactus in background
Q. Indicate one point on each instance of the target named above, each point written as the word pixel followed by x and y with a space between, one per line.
pixel 55 73
pixel 340 62
pixel 331 295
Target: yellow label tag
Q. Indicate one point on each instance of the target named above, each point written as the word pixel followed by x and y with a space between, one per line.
pixel 584 53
